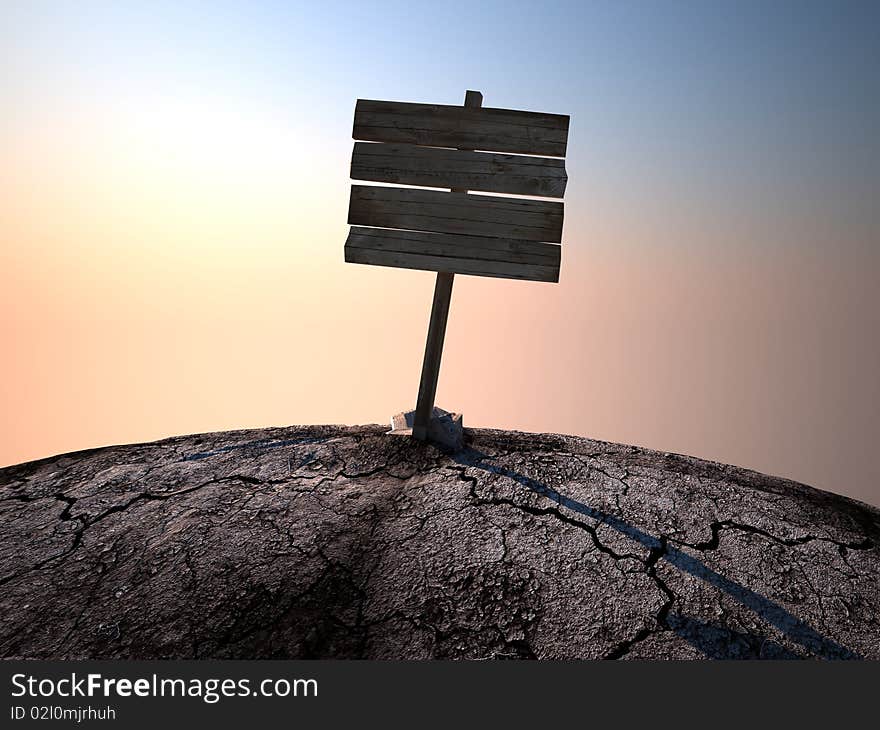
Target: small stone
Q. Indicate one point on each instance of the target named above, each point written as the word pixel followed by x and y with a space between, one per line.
pixel 445 429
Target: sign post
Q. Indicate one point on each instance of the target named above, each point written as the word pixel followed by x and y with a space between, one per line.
pixel 432 145
pixel 437 327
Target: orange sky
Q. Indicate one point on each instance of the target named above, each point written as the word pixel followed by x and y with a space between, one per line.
pixel 138 306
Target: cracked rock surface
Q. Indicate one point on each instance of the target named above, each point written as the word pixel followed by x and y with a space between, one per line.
pixel 330 541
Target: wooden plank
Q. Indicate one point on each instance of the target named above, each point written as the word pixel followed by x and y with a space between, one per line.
pixel 473 267
pixel 438 125
pixel 440 212
pixel 455 254
pixel 437 167
pixel 445 244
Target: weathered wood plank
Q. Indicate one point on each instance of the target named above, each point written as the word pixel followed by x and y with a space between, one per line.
pixel 438 125
pixel 437 167
pixel 473 267
pixel 455 254
pixel 446 244
pixel 439 212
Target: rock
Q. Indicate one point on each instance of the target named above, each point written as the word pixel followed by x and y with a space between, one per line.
pixel 331 541
pixel 445 429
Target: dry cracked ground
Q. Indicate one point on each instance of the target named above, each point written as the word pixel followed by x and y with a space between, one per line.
pixel 345 542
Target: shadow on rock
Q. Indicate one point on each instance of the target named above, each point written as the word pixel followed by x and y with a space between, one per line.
pixel 702 635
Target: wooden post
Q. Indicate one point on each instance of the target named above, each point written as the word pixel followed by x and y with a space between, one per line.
pixel 437 327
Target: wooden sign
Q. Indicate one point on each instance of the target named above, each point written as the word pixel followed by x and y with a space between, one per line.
pixel 454 231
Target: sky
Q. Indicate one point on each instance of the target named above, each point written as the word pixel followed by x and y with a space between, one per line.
pixel 173 201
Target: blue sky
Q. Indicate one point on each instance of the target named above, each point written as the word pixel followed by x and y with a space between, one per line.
pixel 703 103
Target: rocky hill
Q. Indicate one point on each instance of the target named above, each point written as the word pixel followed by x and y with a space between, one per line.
pixel 332 541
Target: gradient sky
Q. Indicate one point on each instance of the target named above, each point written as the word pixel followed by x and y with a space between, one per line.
pixel 173 200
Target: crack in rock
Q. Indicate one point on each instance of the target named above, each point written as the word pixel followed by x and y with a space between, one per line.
pixel 331 541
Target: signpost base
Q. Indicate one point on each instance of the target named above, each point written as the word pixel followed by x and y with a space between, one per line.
pixel 444 429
